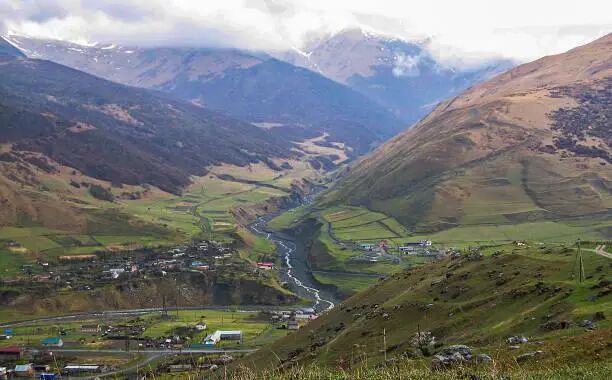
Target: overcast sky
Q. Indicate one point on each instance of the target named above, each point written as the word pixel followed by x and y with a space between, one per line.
pixel 459 30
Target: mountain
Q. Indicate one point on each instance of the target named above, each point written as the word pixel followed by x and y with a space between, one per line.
pixel 117 133
pixel 399 75
pixel 529 145
pixel 6 49
pixel 248 85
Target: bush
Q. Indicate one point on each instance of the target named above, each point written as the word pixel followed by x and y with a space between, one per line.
pixel 101 193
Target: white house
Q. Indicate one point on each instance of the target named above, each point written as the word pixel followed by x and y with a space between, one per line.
pixel 220 335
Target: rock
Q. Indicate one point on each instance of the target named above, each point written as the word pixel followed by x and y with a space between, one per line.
pixel 425 338
pixel 557 325
pixel 517 339
pixel 528 355
pixel 482 359
pixel 225 359
pixel 451 355
pixel 474 256
pixel 587 324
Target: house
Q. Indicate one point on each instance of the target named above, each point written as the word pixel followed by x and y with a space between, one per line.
pixel 116 272
pixel 179 367
pixel 367 246
pixel 219 335
pixel 24 370
pixel 420 243
pixel 94 329
pixel 265 265
pixel 293 325
pixel 52 342
pixel 407 248
pixel 10 353
pixel 308 310
pixel 201 326
pixel 75 369
pixel 41 367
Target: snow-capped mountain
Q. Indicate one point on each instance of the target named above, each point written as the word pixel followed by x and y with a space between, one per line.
pixel 400 75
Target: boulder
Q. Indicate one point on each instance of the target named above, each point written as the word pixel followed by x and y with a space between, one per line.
pixel 517 339
pixel 557 325
pixel 528 356
pixel 422 339
pixel 587 324
pixel 482 359
pixel 451 355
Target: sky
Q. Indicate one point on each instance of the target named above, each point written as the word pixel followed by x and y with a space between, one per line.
pixel 458 32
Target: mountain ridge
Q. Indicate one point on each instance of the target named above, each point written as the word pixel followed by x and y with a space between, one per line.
pixel 440 173
pixel 238 83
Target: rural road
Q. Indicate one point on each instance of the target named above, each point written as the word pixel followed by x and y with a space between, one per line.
pixel 600 250
pixel 130 312
pixel 185 351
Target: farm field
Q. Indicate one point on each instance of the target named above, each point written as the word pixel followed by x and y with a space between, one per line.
pixel 545 231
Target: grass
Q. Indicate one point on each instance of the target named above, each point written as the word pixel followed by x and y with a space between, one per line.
pixel 545 231
pixel 465 301
pixel 347 284
pixel 359 223
pixel 408 370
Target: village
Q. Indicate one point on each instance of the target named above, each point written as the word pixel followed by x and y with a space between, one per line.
pixel 45 350
pixel 87 272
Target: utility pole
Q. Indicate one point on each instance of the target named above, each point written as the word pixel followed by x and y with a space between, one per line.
pixel 580 264
pixel 385 343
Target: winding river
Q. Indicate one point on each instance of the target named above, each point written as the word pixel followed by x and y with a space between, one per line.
pixel 295 270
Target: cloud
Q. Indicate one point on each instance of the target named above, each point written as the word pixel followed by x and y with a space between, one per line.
pixel 459 32
pixel 406 65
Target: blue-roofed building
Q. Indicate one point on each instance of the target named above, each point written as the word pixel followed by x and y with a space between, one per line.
pixel 52 342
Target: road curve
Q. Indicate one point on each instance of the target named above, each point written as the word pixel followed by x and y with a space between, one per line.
pixel 601 251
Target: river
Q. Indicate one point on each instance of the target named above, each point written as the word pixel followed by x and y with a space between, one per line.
pixel 295 270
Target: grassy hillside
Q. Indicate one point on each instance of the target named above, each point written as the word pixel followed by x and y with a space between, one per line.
pixel 478 299
pixel 528 146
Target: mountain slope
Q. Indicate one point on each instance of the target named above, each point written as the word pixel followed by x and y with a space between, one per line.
pixel 6 49
pixel 531 144
pixel 475 299
pixel 247 85
pixel 398 75
pixel 118 133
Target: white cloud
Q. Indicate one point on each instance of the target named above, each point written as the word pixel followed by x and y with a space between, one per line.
pixel 406 65
pixel 460 32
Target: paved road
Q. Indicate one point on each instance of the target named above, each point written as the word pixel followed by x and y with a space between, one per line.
pixel 600 250
pixel 185 351
pixel 131 312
